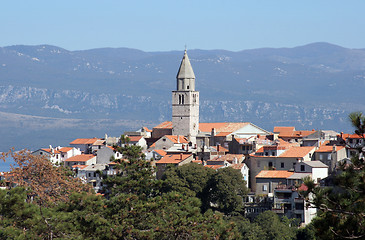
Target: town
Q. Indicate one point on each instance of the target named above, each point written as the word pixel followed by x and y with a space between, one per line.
pixel 273 164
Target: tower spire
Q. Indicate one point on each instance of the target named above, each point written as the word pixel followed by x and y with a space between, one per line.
pixel 185 70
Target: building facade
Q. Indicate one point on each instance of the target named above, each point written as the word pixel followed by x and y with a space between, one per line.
pixel 185 103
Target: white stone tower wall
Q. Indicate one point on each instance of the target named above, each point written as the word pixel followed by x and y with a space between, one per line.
pixel 185 103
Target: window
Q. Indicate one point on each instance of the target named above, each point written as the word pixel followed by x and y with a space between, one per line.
pixel 164 139
pixel 302 168
pixel 94 174
pixel 310 155
pixel 320 156
pixel 282 165
pixel 40 153
pixel 273 153
pixel 187 87
pixel 329 156
pixel 266 153
pixel 264 188
pixel 89 174
pixel 270 164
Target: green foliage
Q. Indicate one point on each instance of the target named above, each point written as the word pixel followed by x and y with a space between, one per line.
pixel 225 191
pixel 221 190
pixel 136 175
pixel 190 179
pixel 275 228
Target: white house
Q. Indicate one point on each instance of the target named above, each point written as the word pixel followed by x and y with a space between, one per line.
pixel 83 159
pixel 50 153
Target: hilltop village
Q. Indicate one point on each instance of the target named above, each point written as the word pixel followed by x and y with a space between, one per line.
pixel 273 164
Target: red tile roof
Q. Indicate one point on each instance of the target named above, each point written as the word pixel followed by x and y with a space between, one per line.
pixel 146 129
pixel 220 148
pixel 223 134
pixel 215 167
pixel 84 141
pixel 228 157
pixel 50 150
pixel 174 158
pixel 346 135
pixel 134 138
pixel 222 127
pixel 174 138
pixel 166 124
pixel 297 152
pixel 79 166
pixel 325 148
pixel 238 166
pixel 80 158
pixel 291 132
pixel 160 152
pixel 65 149
pixel 274 174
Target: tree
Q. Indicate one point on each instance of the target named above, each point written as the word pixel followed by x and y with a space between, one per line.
pixel 190 179
pixel 136 175
pixel 341 208
pixel 225 191
pixel 275 228
pixel 45 182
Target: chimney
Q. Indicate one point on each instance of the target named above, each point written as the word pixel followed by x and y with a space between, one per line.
pixel 178 139
pixel 213 132
pixel 187 147
pixel 235 161
pixel 334 148
pixel 183 147
pixel 218 148
pixel 181 156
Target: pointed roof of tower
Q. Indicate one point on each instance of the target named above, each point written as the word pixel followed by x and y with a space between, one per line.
pixel 185 70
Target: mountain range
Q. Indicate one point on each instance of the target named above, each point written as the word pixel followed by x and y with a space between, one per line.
pixel 49 95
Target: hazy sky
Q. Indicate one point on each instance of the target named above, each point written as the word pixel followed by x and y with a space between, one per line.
pixel 153 25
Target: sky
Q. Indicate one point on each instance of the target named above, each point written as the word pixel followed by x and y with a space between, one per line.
pixel 164 25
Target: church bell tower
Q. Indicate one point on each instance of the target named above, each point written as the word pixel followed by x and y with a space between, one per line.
pixel 185 102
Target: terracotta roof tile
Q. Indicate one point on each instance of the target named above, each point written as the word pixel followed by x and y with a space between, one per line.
pixel 238 166
pixel 166 124
pixel 215 167
pixel 221 149
pixel 346 135
pixel 134 138
pixel 80 158
pixel 223 134
pixel 174 138
pixel 146 129
pixel 325 148
pixel 84 141
pixel 50 150
pixel 79 166
pixel 65 149
pixel 228 157
pixel 297 152
pixel 160 152
pixel 274 174
pixel 173 158
pixel 222 127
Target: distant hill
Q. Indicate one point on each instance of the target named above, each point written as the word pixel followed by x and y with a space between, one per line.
pixel 110 90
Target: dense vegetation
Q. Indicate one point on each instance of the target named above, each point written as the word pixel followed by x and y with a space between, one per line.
pixel 190 202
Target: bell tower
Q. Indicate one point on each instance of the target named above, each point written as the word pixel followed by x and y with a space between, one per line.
pixel 185 102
